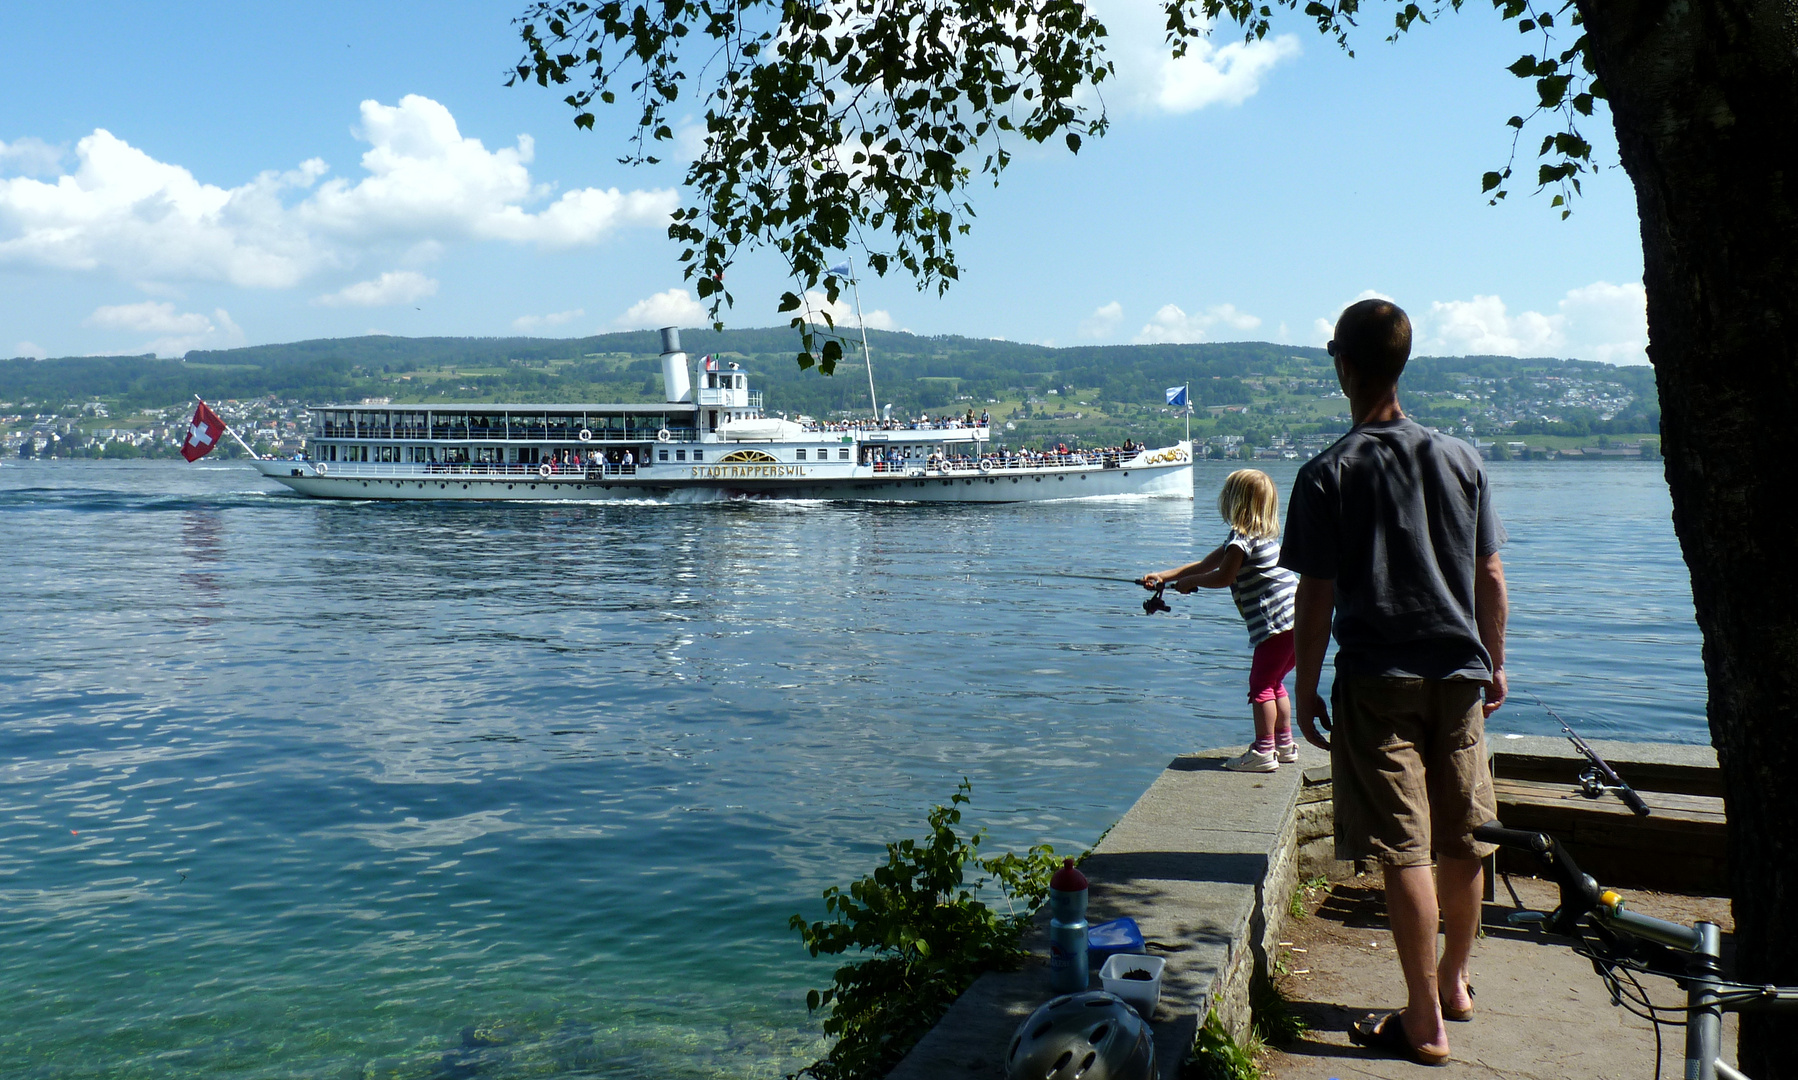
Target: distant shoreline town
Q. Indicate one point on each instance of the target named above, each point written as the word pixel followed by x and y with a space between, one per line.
pixel 1251 400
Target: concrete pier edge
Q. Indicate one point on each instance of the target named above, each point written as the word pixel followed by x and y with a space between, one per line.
pixel 1206 862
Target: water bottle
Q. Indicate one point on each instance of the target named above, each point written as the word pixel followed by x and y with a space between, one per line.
pixel 1067 930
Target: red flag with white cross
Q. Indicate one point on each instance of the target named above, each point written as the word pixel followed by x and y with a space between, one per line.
pixel 203 433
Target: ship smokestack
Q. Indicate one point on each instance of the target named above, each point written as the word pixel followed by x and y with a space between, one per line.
pixel 676 382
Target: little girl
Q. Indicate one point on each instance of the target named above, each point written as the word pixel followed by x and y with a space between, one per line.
pixel 1248 562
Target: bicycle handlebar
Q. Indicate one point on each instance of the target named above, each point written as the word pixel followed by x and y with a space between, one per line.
pixel 1494 833
pixel 1580 894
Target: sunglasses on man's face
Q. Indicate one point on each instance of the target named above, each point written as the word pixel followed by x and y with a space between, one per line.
pixel 1331 347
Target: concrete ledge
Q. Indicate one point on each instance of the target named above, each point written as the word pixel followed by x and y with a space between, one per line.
pixel 1205 862
pixel 1670 767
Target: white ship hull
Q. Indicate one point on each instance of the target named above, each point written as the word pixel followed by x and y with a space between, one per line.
pixel 706 442
pixel 1166 473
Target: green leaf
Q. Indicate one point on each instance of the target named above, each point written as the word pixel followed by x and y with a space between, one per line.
pixel 1490 181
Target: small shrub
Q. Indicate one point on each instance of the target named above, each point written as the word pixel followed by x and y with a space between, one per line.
pixel 1217 1056
pixel 1301 895
pixel 923 936
pixel 1275 1022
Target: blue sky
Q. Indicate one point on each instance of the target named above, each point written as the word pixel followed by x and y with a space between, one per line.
pixel 206 175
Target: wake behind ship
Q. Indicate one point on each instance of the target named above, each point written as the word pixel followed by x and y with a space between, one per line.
pixel 709 441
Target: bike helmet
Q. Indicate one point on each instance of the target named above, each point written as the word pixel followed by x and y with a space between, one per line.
pixel 1089 1036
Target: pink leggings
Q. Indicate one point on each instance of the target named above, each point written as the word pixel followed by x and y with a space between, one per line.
pixel 1268 670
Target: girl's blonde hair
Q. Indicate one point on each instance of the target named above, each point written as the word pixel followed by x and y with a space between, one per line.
pixel 1250 503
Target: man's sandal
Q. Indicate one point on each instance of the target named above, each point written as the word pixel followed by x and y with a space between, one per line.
pixel 1387 1033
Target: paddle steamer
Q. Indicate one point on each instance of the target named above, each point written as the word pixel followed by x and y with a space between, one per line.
pixel 708 441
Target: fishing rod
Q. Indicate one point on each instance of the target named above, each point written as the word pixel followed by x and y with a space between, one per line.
pixel 1598 776
pixel 1149 607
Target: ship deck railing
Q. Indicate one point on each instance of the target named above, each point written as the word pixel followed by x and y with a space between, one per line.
pixel 853 427
pixel 462 432
pixel 994 463
pixel 420 470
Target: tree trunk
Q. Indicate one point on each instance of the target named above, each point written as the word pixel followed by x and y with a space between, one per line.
pixel 1705 98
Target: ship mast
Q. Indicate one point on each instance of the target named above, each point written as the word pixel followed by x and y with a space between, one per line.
pixel 867 357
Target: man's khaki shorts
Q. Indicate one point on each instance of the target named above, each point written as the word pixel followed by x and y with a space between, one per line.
pixel 1408 764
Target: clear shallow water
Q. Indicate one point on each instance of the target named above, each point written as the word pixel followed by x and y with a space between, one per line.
pixel 294 788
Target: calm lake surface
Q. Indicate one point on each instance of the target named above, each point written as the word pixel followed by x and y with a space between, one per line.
pixel 308 789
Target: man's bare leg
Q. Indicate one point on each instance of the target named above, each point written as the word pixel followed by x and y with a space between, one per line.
pixel 1411 908
pixel 1459 890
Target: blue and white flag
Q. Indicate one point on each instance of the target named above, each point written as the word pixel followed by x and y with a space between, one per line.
pixel 841 269
pixel 1176 395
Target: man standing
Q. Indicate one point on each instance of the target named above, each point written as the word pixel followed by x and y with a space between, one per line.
pixel 1392 530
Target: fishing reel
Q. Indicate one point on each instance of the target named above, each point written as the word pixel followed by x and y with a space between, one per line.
pixel 1155 603
pixel 1592 785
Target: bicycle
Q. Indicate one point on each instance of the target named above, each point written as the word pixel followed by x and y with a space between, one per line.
pixel 1622 943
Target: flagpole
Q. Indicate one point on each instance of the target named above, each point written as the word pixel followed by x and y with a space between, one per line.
pixel 229 431
pixel 1189 413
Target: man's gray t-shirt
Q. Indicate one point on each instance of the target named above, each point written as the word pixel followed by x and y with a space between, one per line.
pixel 1398 517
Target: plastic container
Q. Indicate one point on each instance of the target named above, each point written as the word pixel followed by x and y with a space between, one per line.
pixel 1107 939
pixel 1142 994
pixel 1069 972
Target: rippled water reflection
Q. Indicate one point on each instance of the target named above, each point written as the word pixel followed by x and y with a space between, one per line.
pixel 296 788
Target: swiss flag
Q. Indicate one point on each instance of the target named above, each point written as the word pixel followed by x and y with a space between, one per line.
pixel 203 433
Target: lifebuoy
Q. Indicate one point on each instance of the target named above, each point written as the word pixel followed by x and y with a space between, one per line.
pixel 986 466
pixel 586 436
pixel 544 471
pixel 319 467
pixel 664 435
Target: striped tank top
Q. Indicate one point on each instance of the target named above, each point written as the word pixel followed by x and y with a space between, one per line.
pixel 1263 590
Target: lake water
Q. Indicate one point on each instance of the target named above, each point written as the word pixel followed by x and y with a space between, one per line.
pixel 295 788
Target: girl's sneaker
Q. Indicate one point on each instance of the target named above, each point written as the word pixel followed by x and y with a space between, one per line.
pixel 1287 754
pixel 1253 760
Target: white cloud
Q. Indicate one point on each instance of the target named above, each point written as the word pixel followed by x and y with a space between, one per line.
pixel 1599 321
pixel 528 323
pixel 1324 329
pixel 1230 75
pixel 1607 322
pixel 1103 322
pixel 1150 79
pixel 689 139
pixel 121 211
pixel 842 313
pixel 181 332
pixel 149 317
pixel 427 180
pixel 1171 324
pixel 676 307
pixel 33 157
pixel 31 349
pixel 393 287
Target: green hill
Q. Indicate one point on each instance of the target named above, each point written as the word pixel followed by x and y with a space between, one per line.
pixel 1258 390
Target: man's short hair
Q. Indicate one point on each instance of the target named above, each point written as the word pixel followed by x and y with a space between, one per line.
pixel 1374 338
